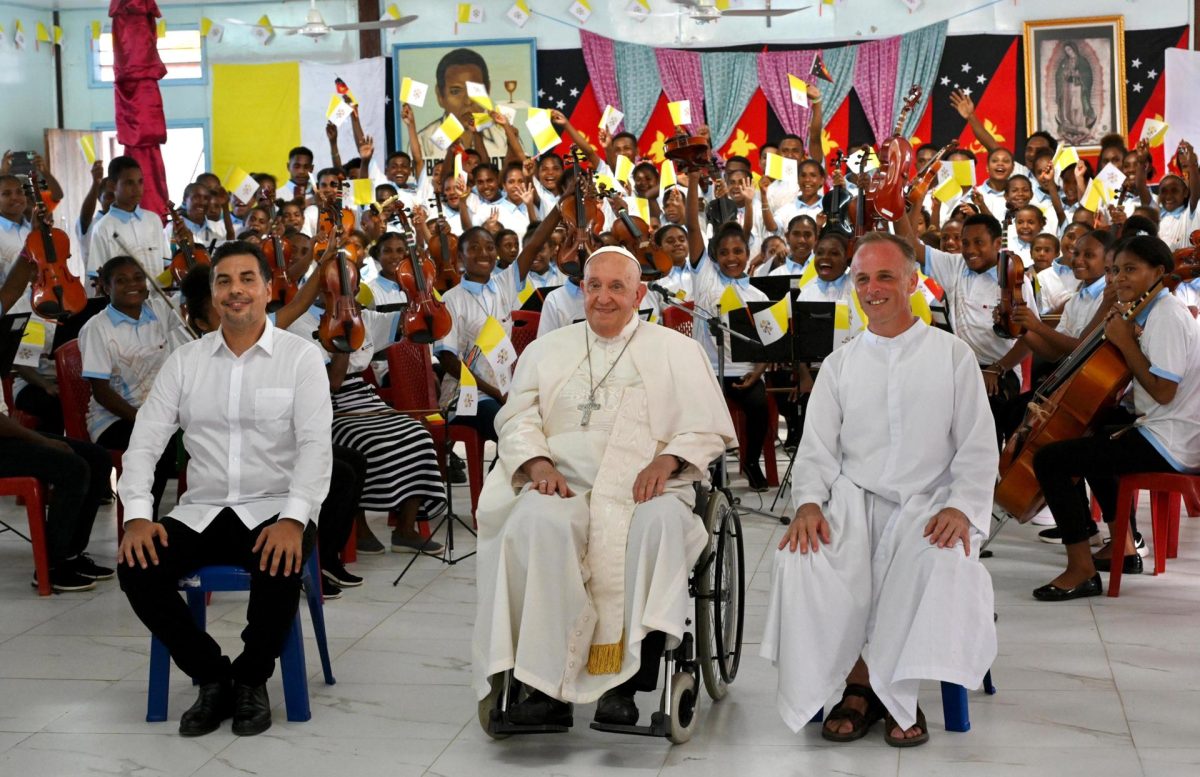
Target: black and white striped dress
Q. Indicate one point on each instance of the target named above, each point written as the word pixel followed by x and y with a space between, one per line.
pixel 401 458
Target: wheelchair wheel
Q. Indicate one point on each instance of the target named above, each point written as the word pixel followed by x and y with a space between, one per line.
pixel 720 583
pixel 683 707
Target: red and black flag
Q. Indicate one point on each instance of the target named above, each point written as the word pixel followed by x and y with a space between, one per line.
pixel 1145 87
pixel 563 85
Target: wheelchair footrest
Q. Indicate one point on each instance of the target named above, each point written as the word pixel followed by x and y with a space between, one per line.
pixel 660 726
pixel 499 725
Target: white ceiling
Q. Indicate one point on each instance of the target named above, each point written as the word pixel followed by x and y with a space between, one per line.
pixel 67 5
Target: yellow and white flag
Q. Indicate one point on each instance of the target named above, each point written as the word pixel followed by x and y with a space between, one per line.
pixel 87 144
pixel 161 29
pixel 363 192
pixel 1154 131
pixel 460 174
pixel 640 207
pixel 1064 157
pixel 392 12
pixel 413 92
pixel 449 131
pixel 40 33
pixel 1097 194
pixel 263 32
pixel 772 323
pixel 97 29
pixel 479 94
pixel 482 120
pixel 624 168
pixel 58 34
pixel 730 301
pixel 339 110
pixel 241 185
pixel 799 90
pixel 526 291
pixel 519 13
pixel 681 112
pixel 963 171
pixel 495 346
pixel 666 176
pixel 947 190
pixel 545 137
pixel 19 34
pixel 611 119
pixel 780 168
pixel 638 9
pixel 468 393
pixel 581 10
pixel 470 13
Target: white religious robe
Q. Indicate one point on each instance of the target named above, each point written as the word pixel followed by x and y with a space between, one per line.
pixel 569 588
pixel 896 430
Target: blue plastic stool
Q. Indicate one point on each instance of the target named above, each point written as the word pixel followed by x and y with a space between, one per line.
pixel 291 660
pixel 954 705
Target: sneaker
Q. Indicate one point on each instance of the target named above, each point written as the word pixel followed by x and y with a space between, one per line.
pixel 367 543
pixel 83 566
pixel 402 544
pixel 1053 536
pixel 64 579
pixel 1043 518
pixel 1139 544
pixel 329 590
pixel 336 573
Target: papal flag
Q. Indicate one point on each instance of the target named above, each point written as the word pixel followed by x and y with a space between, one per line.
pixel 772 322
pixel 495 346
pixel 468 393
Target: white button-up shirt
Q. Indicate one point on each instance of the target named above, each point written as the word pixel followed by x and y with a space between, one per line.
pixel 138 234
pixel 257 428
pixel 13 235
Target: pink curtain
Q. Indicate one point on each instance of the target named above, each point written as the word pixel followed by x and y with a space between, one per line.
pixel 875 83
pixel 602 70
pixel 683 79
pixel 141 125
pixel 773 70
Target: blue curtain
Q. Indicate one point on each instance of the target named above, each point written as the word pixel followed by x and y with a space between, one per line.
pixel 841 62
pixel 638 82
pixel 920 57
pixel 730 80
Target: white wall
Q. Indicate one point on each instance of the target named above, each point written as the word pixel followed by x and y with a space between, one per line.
pixel 26 83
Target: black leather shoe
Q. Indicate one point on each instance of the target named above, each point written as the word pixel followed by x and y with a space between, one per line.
pixel 1052 593
pixel 538 709
pixel 755 479
pixel 213 705
pixel 1132 565
pixel 251 710
pixel 616 709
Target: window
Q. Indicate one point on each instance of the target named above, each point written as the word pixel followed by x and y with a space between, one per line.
pixel 182 51
pixel 183 154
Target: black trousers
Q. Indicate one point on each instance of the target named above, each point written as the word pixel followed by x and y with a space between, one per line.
pixel 43 406
pixel 789 410
pixel 340 505
pixel 154 595
pixel 116 438
pixel 1099 460
pixel 646 677
pixel 753 403
pixel 77 479
pixel 1003 405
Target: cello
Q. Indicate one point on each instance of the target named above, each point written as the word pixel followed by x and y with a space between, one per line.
pixel 1065 407
pixel 426 319
pixel 188 256
pixel 1010 271
pixel 56 291
pixel 886 192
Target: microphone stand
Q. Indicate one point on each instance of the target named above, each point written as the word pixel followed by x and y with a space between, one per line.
pixel 715 327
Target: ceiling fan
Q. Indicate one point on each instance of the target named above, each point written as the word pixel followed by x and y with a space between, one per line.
pixel 705 11
pixel 315 27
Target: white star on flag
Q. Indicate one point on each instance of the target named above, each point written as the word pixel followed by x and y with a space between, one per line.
pixel 541 93
pixel 966 68
pixel 574 92
pixel 559 81
pixel 560 104
pixel 967 91
pixel 981 79
pixel 1137 87
pixel 1152 74
pixel 945 80
pixel 1136 63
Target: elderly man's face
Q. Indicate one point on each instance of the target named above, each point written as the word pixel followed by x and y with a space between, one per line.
pixel 610 287
pixel 884 280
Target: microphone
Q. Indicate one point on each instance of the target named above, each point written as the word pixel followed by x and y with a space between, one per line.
pixel 660 289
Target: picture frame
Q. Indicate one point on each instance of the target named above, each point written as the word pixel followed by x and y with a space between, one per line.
pixel 509 62
pixel 1075 79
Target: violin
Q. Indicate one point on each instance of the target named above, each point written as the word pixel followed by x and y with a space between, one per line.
pixel 691 154
pixel 886 191
pixel 580 211
pixel 278 253
pixel 1011 272
pixel 836 203
pixel 56 291
pixel 426 318
pixel 341 329
pixel 332 219
pixel 919 186
pixel 861 210
pixel 443 249
pixel 188 255
pixel 634 234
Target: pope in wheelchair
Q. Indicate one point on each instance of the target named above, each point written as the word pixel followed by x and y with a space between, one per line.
pixel 587 530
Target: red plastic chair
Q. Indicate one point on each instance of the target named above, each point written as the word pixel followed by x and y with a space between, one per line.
pixel 21 417
pixel 678 320
pixel 414 390
pixel 525 328
pixel 29 490
pixel 1167 490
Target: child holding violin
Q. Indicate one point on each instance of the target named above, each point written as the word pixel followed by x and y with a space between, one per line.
pixel 1161 345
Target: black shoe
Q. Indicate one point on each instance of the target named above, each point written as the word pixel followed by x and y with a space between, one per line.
pixel 85 567
pixel 615 708
pixel 1052 593
pixel 538 709
pixel 213 705
pixel 251 711
pixel 336 573
pixel 329 589
pixel 64 579
pixel 1132 565
pixel 458 470
pixel 1053 535
pixel 755 479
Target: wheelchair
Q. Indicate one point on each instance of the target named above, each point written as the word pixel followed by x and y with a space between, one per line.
pixel 709 652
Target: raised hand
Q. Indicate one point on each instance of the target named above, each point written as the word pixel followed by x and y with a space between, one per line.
pixel 558 117
pixel 406 115
pixel 367 147
pixel 331 131
pixel 962 103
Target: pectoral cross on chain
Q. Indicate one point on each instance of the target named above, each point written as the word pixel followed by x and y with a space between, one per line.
pixel 587 408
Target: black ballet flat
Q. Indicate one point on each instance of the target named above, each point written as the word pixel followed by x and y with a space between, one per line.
pixel 1131 566
pixel 1052 593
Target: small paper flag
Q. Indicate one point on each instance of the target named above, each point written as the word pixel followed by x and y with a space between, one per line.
pixel 681 112
pixel 963 171
pixel 640 207
pixel 459 173
pixel 581 10
pixel 624 169
pixel 97 29
pixel 363 191
pixel 413 92
pixel 338 110
pixel 526 291
pixel 509 112
pixel 780 168
pixel 205 25
pixel 819 70
pixel 241 184
pixel 87 144
pixel 666 176
pixel 449 131
pixel 495 346
pixel 947 190
pixel 19 34
pixel 1096 195
pixel 605 182
pixel 479 93
pixel 162 28
pixel 519 13
pixel 1064 157
pixel 1112 177
pixel 468 393
pixel 58 35
pixel 639 10
pixel 799 90
pixel 469 13
pixel 392 12
pixel 772 323
pixel 1154 131
pixel 40 33
pixel 854 160
pixel 545 137
pixel 611 119
pixel 482 120
pixel 730 301
pixel 263 31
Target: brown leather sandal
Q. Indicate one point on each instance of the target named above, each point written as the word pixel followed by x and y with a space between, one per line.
pixel 891 723
pixel 861 723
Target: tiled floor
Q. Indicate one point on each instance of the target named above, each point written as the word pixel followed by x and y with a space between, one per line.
pixel 1094 687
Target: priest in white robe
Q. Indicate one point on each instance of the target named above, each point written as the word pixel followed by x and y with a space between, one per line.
pixel 586 530
pixel 877 583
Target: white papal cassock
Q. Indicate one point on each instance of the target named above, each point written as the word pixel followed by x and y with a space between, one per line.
pixel 568 588
pixel 896 429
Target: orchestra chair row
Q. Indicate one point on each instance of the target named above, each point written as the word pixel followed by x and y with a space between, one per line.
pixel 1167 491
pixel 198 588
pixel 684 324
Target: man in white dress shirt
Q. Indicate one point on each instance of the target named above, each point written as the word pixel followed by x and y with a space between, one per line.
pixel 257 480
pixel 894 489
